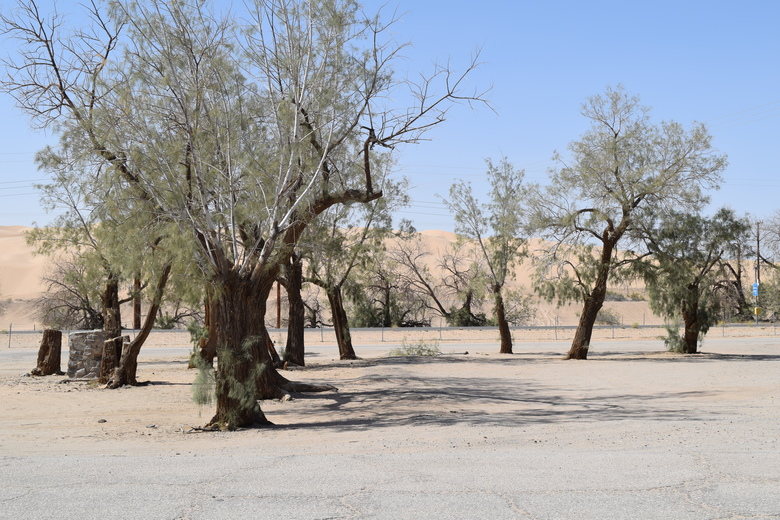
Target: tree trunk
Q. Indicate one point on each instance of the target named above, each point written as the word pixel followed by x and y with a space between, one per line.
pixel 49 354
pixel 294 350
pixel 238 305
pixel 690 313
pixel 245 372
pixel 137 303
pixel 340 323
pixel 112 329
pixel 592 305
pixel 503 326
pixel 207 345
pixel 125 372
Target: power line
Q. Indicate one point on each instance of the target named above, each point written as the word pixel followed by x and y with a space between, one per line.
pixel 7 195
pixel 24 180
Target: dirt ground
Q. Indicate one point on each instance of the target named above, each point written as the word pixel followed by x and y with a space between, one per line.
pixel 632 413
pixel 481 387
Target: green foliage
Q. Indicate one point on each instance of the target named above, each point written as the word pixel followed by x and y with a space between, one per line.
pixel 686 266
pixel 417 349
pixel 242 392
pixel 770 295
pixel 197 332
pixel 203 388
pixel 496 226
pixel 463 317
pixel 381 304
pixel 520 307
pixel 364 315
pixel 621 173
pixel 165 320
pixel 674 341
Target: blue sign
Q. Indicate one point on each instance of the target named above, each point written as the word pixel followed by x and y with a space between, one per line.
pixel 755 289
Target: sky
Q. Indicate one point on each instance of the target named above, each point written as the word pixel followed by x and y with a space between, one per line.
pixel 712 61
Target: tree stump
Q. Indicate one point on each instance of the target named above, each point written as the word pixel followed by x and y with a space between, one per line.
pixel 49 354
pixel 112 354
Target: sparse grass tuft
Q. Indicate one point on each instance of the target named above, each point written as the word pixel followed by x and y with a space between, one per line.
pixel 419 348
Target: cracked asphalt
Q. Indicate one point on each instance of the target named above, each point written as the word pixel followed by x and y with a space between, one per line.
pixel 626 435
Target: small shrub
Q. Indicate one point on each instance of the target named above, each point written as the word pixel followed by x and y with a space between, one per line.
pixel 165 321
pixel 608 317
pixel 463 317
pixel 419 348
pixel 673 341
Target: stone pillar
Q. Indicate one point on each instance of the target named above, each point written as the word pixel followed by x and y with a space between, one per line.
pixel 85 352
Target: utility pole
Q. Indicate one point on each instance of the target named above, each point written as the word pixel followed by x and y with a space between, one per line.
pixel 757 285
pixel 278 305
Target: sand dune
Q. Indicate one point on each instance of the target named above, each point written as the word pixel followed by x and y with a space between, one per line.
pixel 21 272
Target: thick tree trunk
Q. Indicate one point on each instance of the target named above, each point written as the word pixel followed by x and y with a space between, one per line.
pixel 690 312
pixel 112 329
pixel 503 325
pixel 238 306
pixel 294 350
pixel 125 372
pixel 592 305
pixel 340 323
pixel 49 354
pixel 245 371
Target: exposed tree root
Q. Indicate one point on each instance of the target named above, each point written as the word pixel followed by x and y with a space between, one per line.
pixel 276 386
pixel 257 420
pixel 296 387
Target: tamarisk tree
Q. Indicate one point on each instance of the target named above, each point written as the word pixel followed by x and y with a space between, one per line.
pixel 685 267
pixel 453 290
pixel 621 172
pixel 344 238
pixel 496 228
pixel 241 133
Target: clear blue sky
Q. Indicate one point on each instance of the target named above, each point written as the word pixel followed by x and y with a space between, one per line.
pixel 710 61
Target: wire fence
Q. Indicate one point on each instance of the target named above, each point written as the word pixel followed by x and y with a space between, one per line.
pixel 10 338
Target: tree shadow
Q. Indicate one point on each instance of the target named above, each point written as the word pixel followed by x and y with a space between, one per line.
pixel 477 401
pixel 162 383
pixel 167 362
pixel 667 357
pixel 524 358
